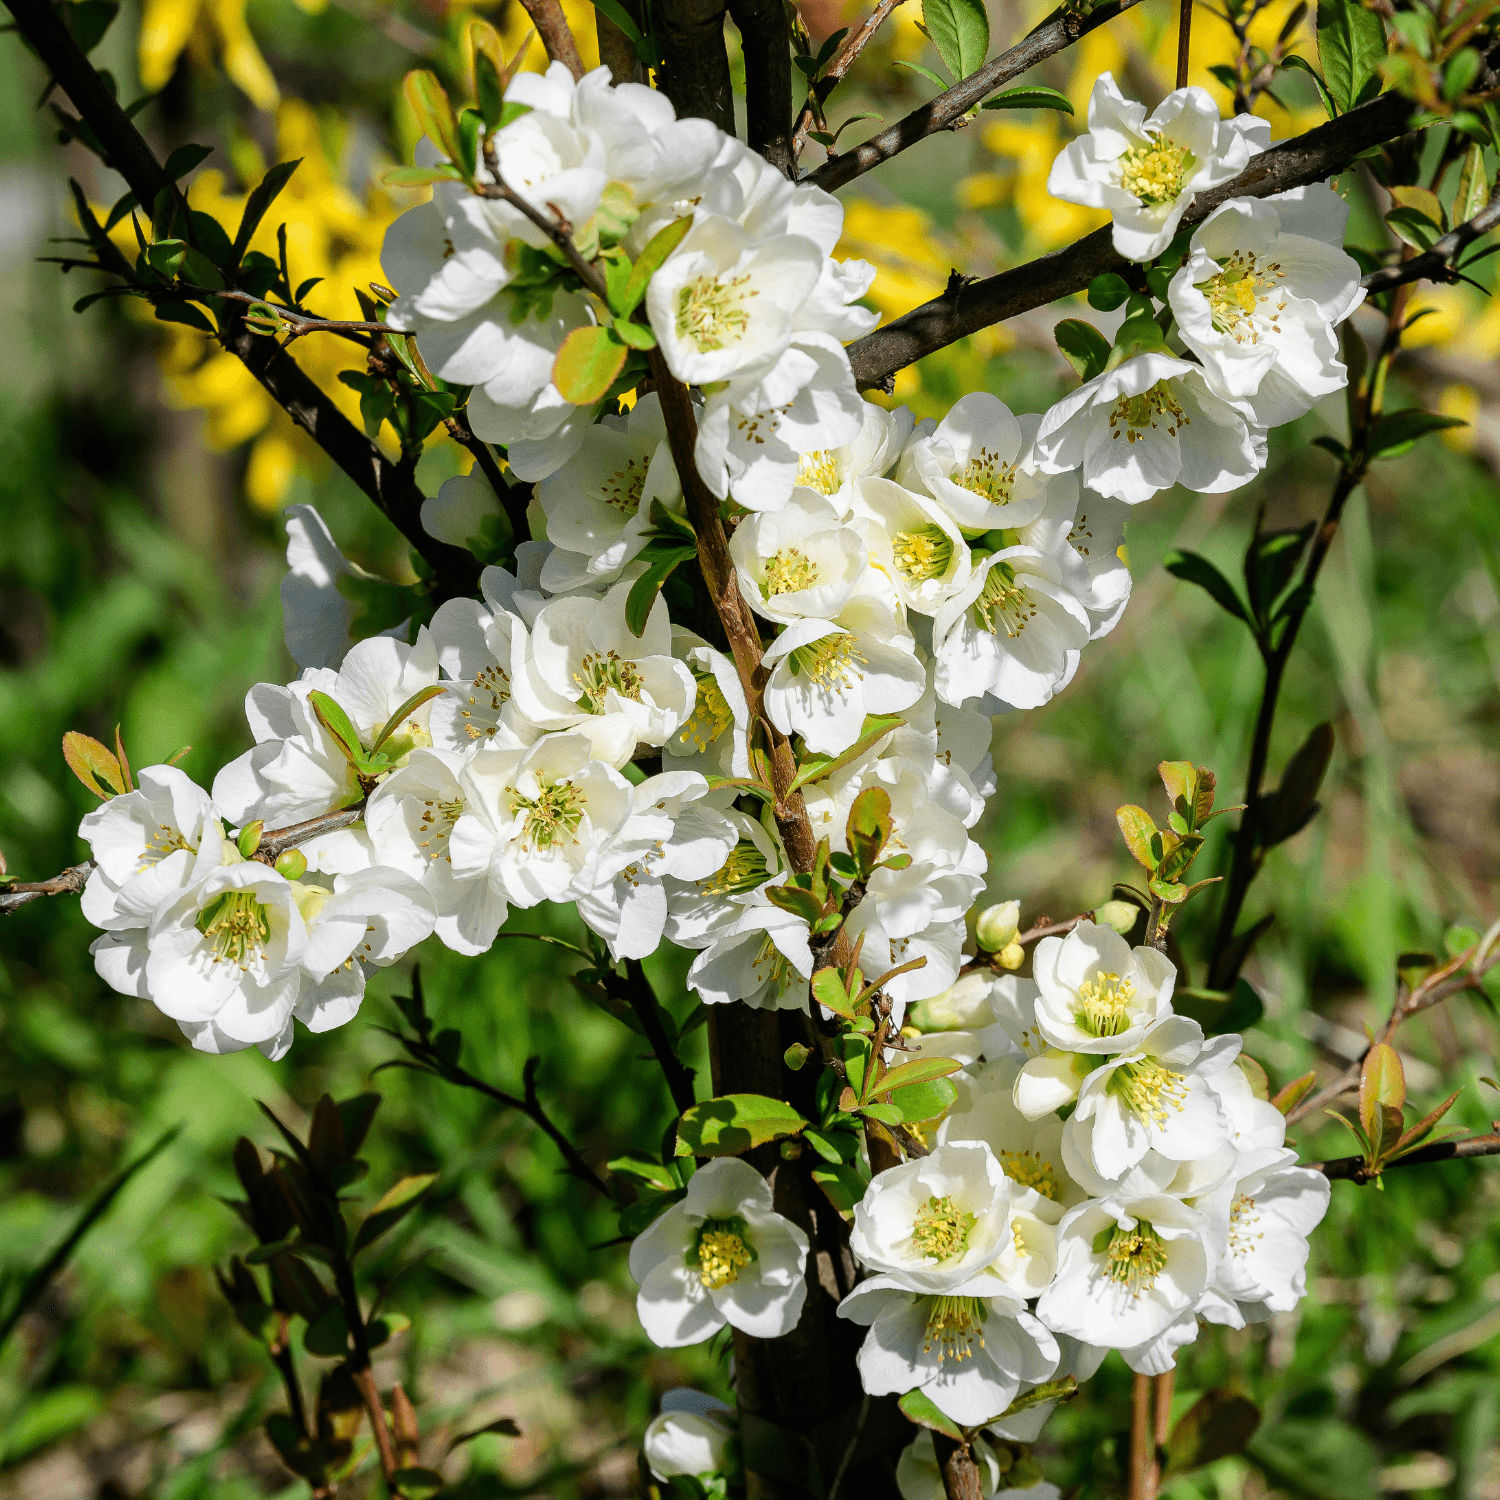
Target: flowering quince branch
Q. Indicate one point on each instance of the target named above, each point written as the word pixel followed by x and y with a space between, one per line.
pixel 1436 264
pixel 739 696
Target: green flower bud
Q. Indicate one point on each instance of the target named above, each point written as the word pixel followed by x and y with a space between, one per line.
pixel 997 926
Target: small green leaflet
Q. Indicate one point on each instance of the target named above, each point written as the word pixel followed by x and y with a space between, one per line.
pixel 1031 98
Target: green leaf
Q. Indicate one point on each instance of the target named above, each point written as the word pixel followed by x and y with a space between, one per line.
pixel 430 104
pixel 1398 432
pixel 645 1169
pixel 661 561
pixel 960 29
pixel 328 1334
pixel 1138 829
pixel 1473 186
pixel 649 262
pixel 1382 1084
pixel 1218 1424
pixel 587 364
pixel 828 990
pixel 842 1185
pixel 262 196
pixel 88 20
pixel 1414 227
pixel 1083 346
pixel 924 1101
pixel 383 1329
pixel 337 723
pixel 1107 292
pixel 622 18
pixel 1220 1012
pixel 412 704
pixel 638 1217
pixel 918 1407
pixel 1302 65
pixel 1030 98
pixel 637 335
pixel 869 827
pixel 184 159
pixel 926 73
pixel 420 176
pixel 416 1483
pixel 1193 568
pixel 392 1208
pixel 887 1114
pixel 92 764
pixel 918 1070
pixel 816 767
pixel 735 1123
pixel 1293 805
pixel 1351 43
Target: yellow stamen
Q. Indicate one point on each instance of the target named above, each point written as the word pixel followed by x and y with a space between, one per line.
pixel 789 571
pixel 941 1229
pixel 711 313
pixel 1156 173
pixel 954 1326
pixel 1104 1004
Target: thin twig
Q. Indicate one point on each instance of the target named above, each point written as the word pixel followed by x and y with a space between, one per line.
pixel 1355 1168
pixel 1184 40
pixel 1141 1454
pixel 638 994
pixel 302 323
pixel 842 60
pixel 67 882
pixel 513 498
pixel 1436 264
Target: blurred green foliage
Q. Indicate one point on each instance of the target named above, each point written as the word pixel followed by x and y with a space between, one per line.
pixel 136 587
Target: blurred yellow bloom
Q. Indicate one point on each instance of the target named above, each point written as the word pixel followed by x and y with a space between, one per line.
pixel 901 244
pixel 1447 309
pixel 1461 401
pixel 210 28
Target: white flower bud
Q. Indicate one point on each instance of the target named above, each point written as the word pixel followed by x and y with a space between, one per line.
pixel 997 926
pixel 682 1442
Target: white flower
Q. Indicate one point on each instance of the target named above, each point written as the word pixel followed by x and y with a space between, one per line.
pixel 1257 300
pixel 478 650
pixel 535 822
pixel 1265 1215
pixel 587 673
pixel 146 841
pixel 410 818
pixel 699 911
pixel 836 472
pixel 1146 171
pixel 463 513
pixel 1150 423
pixel 935 1224
pixel 1014 630
pixel 723 303
pixel 761 956
pixel 721 1255
pixel 1126 1269
pixel 915 542
pixel 800 562
pixel 598 504
pixel 315 615
pixel 968 1355
pixel 1156 1097
pixel 296 770
pixel 714 738
pixel 828 675
pixel 972 465
pixel 1097 994
pixel 686 1442
pixel 939 946
pixel 671 831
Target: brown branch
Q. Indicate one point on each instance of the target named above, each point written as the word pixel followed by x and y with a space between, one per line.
pixel 966 308
pixel 1184 40
pixel 391 486
pixel 842 60
pixel 615 49
pixel 1354 1168
pixel 1458 974
pixel 948 110
pixel 1436 264
pixel 513 498
pixel 557 36
pixel 765 41
pixel 956 1465
pixel 695 64
pixel 69 882
pixel 1142 1452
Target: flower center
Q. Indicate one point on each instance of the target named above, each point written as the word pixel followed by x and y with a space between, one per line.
pixel 722 1253
pixel 923 553
pixel 554 814
pixel 744 870
pixel 1142 413
pixel 1002 604
pixel 829 661
pixel 789 571
pixel 1104 1004
pixel 985 474
pixel 598 676
pixel 711 714
pixel 1136 1256
pixel 622 490
pixel 1029 1170
pixel 488 694
pixel 1149 1089
pixel 236 926
pixel 771 967
pixel 163 841
pixel 818 471
pixel 437 823
pixel 941 1229
pixel 953 1327
pixel 1157 171
pixel 1242 1221
pixel 711 313
pixel 1235 294
pixel 1079 534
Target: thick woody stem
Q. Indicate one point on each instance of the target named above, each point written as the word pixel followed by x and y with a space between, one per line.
pixel 695 71
pixel 1142 1456
pixel 765 40
pixel 966 308
pixel 960 1472
pixel 557 36
pixel 1184 40
pixel 615 50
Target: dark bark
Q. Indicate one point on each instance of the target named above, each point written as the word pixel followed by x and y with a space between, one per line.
pixel 765 39
pixel 695 72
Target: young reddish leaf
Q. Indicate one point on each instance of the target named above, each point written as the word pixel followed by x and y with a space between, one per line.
pixel 869 826
pixel 124 762
pixel 1179 777
pixel 587 364
pixel 1424 1127
pixel 1138 829
pixel 91 763
pixel 1382 1081
pixel 1294 1093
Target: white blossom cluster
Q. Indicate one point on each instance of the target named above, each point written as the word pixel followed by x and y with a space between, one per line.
pixel 1108 1176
